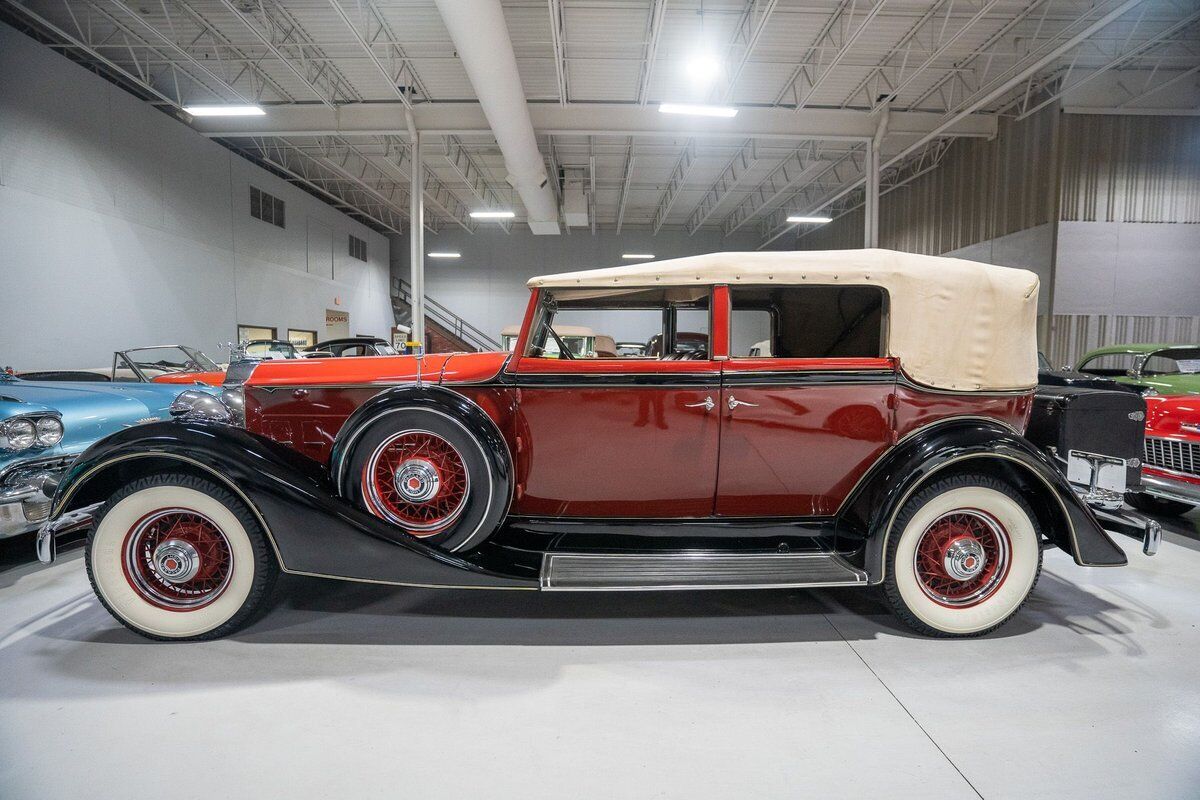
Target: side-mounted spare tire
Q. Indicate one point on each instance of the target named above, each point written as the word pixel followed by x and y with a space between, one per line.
pixel 430 473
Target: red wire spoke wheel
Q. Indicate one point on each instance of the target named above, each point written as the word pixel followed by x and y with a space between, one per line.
pixel 418 480
pixel 962 558
pixel 177 559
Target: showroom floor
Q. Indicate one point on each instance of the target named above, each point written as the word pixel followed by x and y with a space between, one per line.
pixel 352 690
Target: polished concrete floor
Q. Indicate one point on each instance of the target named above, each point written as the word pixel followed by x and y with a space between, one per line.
pixel 356 691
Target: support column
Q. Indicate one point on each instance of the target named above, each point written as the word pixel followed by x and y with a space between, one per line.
pixel 871 189
pixel 417 243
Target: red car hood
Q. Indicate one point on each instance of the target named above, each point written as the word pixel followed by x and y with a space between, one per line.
pixel 1173 416
pixel 435 368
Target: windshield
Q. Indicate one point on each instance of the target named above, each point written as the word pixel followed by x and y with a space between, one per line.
pixel 1177 361
pixel 153 361
pixel 270 350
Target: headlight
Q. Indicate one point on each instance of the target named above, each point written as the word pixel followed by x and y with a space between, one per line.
pixel 17 434
pixel 49 431
pixel 194 405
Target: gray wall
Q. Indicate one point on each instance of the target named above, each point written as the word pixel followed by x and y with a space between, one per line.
pixel 121 227
pixel 487 288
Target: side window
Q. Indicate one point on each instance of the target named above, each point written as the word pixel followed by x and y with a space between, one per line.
pixel 667 323
pixel 807 322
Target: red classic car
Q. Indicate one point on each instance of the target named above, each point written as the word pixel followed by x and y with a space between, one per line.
pixel 879 444
pixel 1171 462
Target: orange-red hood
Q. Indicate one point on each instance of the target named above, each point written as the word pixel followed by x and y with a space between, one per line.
pixel 1177 416
pixel 386 370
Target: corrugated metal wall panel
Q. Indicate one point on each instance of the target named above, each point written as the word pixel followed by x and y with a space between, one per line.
pixel 981 190
pixel 1075 334
pixel 1131 168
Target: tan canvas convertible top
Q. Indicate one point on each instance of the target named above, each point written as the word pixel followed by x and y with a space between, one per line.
pixel 954 324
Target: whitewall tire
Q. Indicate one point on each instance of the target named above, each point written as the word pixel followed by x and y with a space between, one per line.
pixel 179 557
pixel 962 557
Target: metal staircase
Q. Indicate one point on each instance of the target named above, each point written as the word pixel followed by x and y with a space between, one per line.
pixel 440 322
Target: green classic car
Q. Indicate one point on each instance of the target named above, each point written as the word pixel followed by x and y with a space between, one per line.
pixel 1163 368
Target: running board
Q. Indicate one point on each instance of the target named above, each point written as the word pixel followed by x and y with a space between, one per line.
pixel 581 572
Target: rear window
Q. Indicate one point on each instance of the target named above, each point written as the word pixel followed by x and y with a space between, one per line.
pixel 807 322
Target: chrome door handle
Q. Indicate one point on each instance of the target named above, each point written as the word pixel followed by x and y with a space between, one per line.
pixel 734 403
pixel 707 404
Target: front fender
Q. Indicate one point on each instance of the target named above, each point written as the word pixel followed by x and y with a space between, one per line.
pixel 312 530
pixel 975 444
pixel 432 397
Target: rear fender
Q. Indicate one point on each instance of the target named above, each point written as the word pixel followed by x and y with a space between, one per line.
pixel 973 445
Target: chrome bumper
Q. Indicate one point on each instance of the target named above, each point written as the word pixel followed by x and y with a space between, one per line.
pixel 1131 523
pixel 47 535
pixel 1171 489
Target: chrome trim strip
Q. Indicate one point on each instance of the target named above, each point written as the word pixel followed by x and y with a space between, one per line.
pixel 1169 489
pixel 605 572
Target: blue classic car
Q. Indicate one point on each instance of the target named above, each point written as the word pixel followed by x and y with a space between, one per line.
pixel 45 424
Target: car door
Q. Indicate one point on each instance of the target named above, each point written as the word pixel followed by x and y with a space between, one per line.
pixel 800 426
pixel 615 437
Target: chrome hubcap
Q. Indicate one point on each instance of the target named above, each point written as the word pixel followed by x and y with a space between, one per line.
pixel 964 559
pixel 176 561
pixel 417 480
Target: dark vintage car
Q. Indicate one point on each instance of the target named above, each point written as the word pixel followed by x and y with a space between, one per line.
pixel 1049 376
pixel 352 346
pixel 880 444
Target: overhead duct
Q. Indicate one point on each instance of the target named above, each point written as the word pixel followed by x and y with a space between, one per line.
pixel 480 36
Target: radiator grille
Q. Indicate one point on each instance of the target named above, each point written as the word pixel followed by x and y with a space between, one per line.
pixel 1173 455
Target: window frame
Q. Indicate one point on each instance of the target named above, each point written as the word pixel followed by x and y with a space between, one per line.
pixel 884 325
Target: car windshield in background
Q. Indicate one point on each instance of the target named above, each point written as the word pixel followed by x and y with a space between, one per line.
pixel 271 350
pixel 1184 361
pixel 154 361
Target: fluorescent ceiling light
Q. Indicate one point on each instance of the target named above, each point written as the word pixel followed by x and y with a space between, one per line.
pixel 633 256
pixel 811 220
pixel 444 254
pixel 698 111
pixel 224 111
pixel 492 215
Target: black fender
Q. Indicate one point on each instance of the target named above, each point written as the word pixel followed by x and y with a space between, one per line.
pixel 312 530
pixel 975 445
pixel 435 398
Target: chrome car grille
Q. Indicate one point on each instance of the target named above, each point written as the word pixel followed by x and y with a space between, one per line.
pixel 1173 454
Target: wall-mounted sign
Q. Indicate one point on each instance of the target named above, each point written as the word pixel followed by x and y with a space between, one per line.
pixel 336 317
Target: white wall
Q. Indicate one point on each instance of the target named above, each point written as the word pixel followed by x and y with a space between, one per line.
pixel 1131 268
pixel 121 227
pixel 487 288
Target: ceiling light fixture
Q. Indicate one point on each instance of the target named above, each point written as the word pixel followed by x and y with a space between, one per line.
pixel 637 256
pixel 810 220
pixel 698 110
pixel 492 215
pixel 703 69
pixel 224 111
pixel 444 254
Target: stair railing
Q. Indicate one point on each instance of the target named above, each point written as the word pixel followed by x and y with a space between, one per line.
pixel 444 317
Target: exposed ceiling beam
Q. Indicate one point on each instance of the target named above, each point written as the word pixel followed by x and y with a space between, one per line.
pixel 780 180
pixel 401 79
pixel 626 182
pixel 278 31
pixel 1042 93
pixel 654 26
pixel 462 119
pixel 675 184
pixel 733 174
pixel 557 40
pixel 749 30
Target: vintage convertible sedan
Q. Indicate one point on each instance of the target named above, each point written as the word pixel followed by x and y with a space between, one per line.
pixel 880 443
